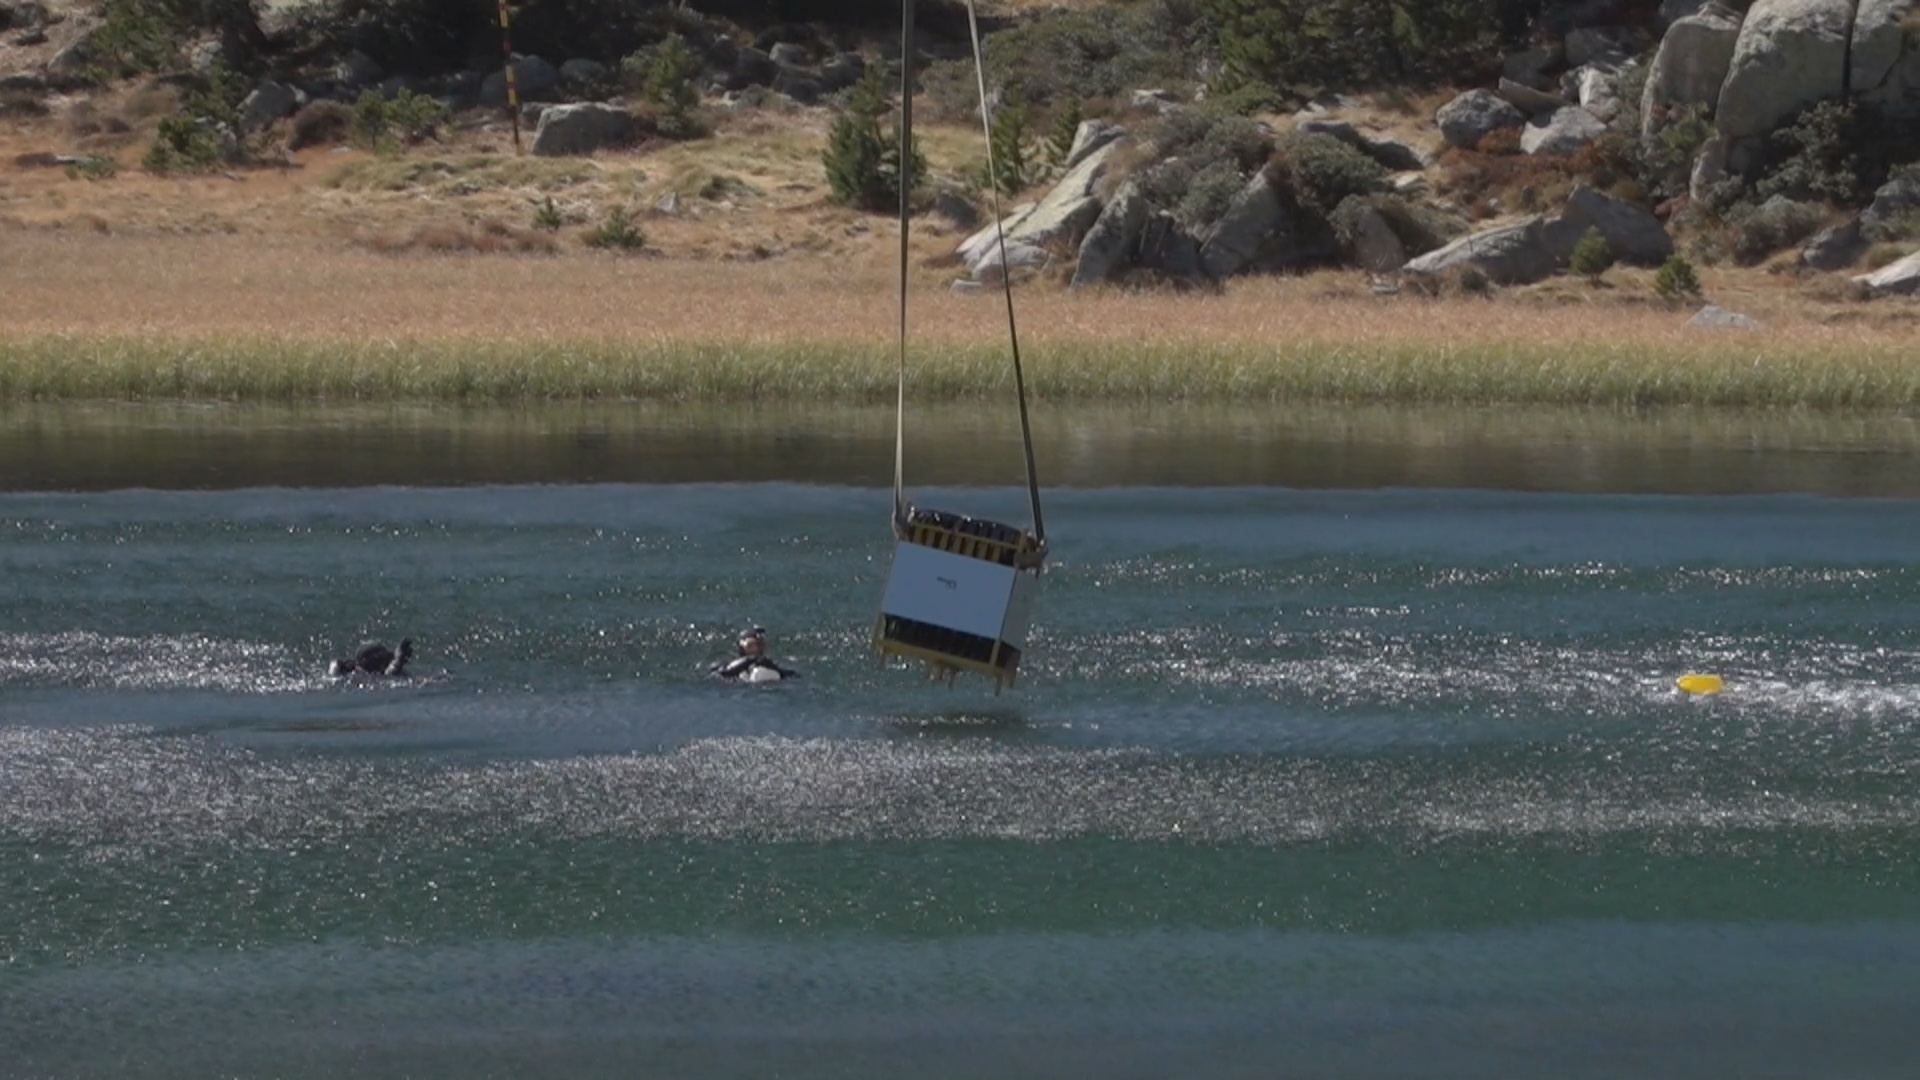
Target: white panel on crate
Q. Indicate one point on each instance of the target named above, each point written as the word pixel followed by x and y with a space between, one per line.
pixel 947 590
pixel 1019 606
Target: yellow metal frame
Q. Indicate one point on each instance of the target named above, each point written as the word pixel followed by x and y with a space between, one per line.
pixel 986 549
pixel 943 667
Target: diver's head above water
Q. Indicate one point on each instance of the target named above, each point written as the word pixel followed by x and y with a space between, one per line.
pixel 754 642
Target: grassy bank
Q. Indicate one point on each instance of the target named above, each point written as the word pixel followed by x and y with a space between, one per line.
pixel 1714 373
pixel 226 318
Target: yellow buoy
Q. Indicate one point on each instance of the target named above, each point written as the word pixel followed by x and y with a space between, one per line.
pixel 1698 684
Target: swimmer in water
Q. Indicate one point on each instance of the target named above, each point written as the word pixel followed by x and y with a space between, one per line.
pixel 752 664
pixel 375 658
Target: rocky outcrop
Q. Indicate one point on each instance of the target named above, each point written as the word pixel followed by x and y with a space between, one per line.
pixel 1107 250
pixel 1900 278
pixel 1387 153
pixel 1376 247
pixel 1713 317
pixel 997 262
pixel 1253 223
pixel 1513 254
pixel 1474 115
pixel 974 247
pixel 570 130
pixel 1529 100
pixel 1690 66
pixel 1634 234
pixel 1067 211
pixel 1791 54
pixel 1091 135
pixel 1596 88
pixel 1168 249
pixel 1835 248
pixel 1895 199
pixel 1565 132
pixel 270 101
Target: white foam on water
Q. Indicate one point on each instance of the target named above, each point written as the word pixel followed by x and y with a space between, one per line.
pixel 155 662
pixel 125 789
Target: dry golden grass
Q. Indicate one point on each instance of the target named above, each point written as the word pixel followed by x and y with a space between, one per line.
pixel 260 276
pixel 220 285
pixel 217 316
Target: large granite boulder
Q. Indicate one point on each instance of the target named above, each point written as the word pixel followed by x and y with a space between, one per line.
pixel 1901 278
pixel 1067 211
pixel 1895 199
pixel 1634 234
pixel 571 130
pixel 1474 115
pixel 1690 66
pixel 1514 254
pixel 1091 135
pixel 1565 132
pixel 1835 247
pixel 270 101
pixel 1254 222
pixel 1107 251
pixel 1791 54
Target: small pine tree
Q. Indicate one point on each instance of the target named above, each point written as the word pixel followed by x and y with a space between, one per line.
pixel 1676 279
pixel 1592 255
pixel 1066 125
pixel 862 160
pixel 618 232
pixel 546 216
pixel 1012 171
pixel 667 80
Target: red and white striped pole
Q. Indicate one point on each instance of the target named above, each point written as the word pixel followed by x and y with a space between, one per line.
pixel 513 82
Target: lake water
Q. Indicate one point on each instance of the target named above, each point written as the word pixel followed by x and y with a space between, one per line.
pixel 1347 747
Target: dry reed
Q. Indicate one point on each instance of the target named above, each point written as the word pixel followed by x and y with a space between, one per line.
pixel 231 318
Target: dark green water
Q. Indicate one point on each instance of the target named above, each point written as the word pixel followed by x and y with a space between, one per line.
pixel 1370 770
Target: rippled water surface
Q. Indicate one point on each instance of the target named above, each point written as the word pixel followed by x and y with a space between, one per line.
pixel 1348 782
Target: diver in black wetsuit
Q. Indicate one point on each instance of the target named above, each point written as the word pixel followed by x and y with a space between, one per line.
pixel 375 658
pixel 753 654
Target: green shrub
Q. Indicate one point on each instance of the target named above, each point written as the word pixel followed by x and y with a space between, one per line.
pixel 546 216
pixel 1676 279
pixel 1205 157
pixel 665 75
pixel 1322 172
pixel 1102 53
pixel 385 126
pixel 1755 232
pixel 1420 229
pixel 1207 193
pixel 1825 153
pixel 1592 256
pixel 187 144
pixel 93 168
pixel 1664 159
pixel 618 232
pixel 863 162
pixel 1066 126
pixel 138 36
pixel 1013 168
pixel 1343 44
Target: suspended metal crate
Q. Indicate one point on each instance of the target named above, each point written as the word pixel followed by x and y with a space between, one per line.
pixel 958 595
